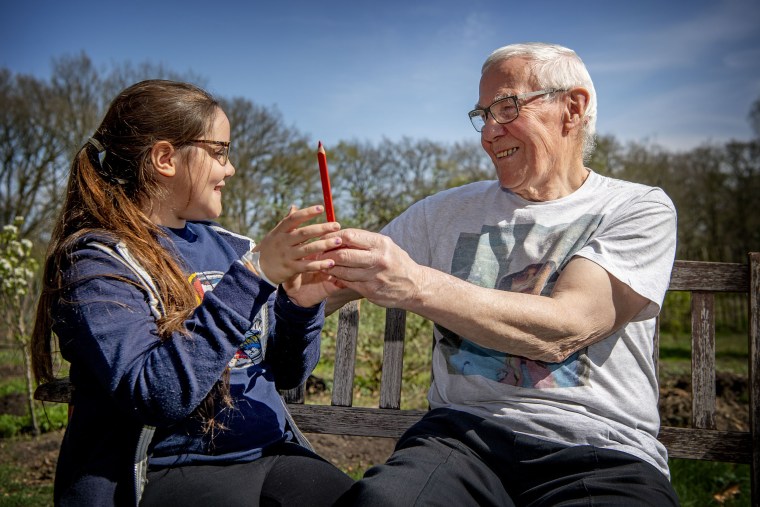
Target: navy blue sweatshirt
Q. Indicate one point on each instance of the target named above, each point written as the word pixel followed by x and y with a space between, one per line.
pixel 125 377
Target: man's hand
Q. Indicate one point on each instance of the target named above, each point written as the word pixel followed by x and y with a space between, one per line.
pixel 373 266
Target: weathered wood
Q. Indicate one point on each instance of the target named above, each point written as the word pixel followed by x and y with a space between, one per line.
pixel 295 395
pixel 701 442
pixel 712 445
pixel 357 421
pixel 703 360
pixel 56 391
pixel 689 443
pixel 754 373
pixel 345 354
pixel 709 276
pixel 393 359
pixel 656 347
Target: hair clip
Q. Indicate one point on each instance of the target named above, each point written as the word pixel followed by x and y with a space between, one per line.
pixel 101 149
pixel 96 144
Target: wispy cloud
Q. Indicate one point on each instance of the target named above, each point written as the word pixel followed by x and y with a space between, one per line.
pixel 686 42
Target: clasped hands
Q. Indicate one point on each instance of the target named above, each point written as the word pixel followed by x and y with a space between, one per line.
pixel 313 262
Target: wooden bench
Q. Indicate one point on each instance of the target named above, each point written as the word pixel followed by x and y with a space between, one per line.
pixel 701 441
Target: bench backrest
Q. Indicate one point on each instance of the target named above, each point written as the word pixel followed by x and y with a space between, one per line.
pixel 701 441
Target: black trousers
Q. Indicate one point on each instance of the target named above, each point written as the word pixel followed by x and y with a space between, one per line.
pixel 287 475
pixel 451 458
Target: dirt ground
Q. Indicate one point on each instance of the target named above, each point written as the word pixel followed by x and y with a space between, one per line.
pixel 36 457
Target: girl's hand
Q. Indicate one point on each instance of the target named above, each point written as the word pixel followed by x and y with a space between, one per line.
pixel 289 250
pixel 309 289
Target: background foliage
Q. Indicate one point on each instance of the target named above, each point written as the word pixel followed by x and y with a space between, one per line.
pixel 43 123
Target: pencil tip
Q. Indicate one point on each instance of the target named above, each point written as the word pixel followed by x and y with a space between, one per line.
pixel 320 144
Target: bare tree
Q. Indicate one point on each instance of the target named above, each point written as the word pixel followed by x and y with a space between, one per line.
pixel 742 223
pixel 363 188
pixel 374 183
pixel 754 117
pixel 466 162
pixel 32 151
pixel 274 167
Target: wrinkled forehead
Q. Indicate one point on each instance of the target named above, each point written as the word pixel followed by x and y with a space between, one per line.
pixel 504 78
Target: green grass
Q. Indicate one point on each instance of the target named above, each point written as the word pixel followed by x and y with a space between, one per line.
pixel 697 483
pixel 15 493
pixel 50 416
pixel 731 350
pixel 369 358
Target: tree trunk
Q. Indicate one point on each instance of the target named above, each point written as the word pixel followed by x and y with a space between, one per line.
pixel 28 374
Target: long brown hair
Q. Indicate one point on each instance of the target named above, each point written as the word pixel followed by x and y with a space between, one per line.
pixel 110 185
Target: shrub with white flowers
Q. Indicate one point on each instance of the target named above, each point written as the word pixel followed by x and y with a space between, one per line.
pixel 17 266
pixel 18 269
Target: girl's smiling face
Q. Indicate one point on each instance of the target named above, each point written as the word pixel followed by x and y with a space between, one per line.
pixel 194 186
pixel 207 174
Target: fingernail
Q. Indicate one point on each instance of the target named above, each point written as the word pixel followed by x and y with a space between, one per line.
pixel 331 264
pixel 320 208
pixel 338 241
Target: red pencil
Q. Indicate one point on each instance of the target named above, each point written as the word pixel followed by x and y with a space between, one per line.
pixel 326 192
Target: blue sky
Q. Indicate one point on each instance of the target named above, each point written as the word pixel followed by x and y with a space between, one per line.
pixel 677 73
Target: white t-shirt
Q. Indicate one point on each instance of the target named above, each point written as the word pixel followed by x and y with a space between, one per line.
pixel 605 394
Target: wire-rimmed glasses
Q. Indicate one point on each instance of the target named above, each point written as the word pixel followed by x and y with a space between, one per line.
pixel 505 109
pixel 222 155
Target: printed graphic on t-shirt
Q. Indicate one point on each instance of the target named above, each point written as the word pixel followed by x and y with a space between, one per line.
pixel 504 257
pixel 250 352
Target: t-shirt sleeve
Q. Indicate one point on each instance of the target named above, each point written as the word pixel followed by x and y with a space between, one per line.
pixel 637 246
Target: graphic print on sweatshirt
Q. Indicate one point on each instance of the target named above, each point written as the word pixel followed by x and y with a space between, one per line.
pixel 251 351
pixel 504 257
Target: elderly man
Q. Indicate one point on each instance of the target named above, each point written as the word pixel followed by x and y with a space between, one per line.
pixel 544 287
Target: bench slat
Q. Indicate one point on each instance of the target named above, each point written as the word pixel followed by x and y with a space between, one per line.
pixel 295 395
pixel 709 276
pixel 393 358
pixel 714 445
pixel 345 354
pixel 754 372
pixel 656 347
pixel 55 391
pixel 689 443
pixel 703 360
pixel 356 421
pixel 702 442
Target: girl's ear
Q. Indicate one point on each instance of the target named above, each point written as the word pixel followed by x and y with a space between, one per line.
pixel 162 158
pixel 576 109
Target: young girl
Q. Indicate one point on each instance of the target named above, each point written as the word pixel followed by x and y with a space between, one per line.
pixel 168 376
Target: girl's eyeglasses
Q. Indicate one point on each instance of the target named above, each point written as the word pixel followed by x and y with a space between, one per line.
pixel 222 155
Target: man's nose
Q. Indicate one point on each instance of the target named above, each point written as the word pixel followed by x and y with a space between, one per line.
pixel 492 128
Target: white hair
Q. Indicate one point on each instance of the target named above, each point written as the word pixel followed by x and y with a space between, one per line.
pixel 555 66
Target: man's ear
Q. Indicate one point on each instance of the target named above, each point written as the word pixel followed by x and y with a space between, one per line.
pixel 576 108
pixel 162 158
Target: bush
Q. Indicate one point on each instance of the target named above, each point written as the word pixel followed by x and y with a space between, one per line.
pixel 700 483
pixel 50 417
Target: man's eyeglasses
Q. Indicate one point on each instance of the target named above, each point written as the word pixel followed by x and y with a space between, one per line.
pixel 222 154
pixel 504 110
